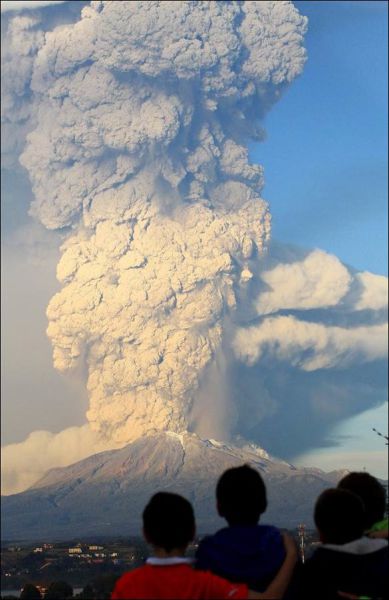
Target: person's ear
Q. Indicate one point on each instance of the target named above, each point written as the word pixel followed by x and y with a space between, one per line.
pixel 219 509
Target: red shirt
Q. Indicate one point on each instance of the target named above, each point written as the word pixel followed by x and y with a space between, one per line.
pixel 178 581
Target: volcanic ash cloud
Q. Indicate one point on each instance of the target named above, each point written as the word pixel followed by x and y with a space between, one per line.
pixel 143 111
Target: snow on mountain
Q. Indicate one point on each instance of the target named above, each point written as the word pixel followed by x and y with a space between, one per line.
pixel 105 494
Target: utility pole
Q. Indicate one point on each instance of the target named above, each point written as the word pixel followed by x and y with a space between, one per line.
pixel 301 530
pixel 386 486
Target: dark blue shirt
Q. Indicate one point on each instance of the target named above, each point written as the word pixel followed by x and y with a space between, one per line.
pixel 243 554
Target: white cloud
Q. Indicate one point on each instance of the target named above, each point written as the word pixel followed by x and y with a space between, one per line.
pixel 374 293
pixel 311 346
pixel 319 281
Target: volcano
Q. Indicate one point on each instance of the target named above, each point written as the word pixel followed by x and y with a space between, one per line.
pixel 104 494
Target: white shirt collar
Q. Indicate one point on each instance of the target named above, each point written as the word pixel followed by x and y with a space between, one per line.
pixel 171 560
pixel 363 545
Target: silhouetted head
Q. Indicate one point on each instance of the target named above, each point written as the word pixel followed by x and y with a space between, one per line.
pixel 241 496
pixel 371 492
pixel 339 516
pixel 168 521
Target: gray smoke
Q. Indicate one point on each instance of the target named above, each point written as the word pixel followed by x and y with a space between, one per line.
pixel 19 46
pixel 144 112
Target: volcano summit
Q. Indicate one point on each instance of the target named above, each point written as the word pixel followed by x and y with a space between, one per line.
pixel 105 494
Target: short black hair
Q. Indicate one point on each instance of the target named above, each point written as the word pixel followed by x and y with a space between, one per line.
pixel 371 492
pixel 241 496
pixel 339 516
pixel 168 521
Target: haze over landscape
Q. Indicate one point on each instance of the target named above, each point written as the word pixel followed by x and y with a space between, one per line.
pixel 133 133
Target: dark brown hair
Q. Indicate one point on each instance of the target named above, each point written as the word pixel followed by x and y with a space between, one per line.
pixel 168 521
pixel 241 496
pixel 371 492
pixel 339 516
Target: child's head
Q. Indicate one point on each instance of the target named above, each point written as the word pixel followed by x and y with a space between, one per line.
pixel 241 496
pixel 168 522
pixel 339 516
pixel 371 492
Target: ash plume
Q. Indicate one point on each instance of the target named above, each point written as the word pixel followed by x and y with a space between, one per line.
pixel 144 113
pixel 138 117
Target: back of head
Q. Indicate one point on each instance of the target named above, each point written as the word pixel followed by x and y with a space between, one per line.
pixel 168 521
pixel 241 496
pixel 371 492
pixel 339 516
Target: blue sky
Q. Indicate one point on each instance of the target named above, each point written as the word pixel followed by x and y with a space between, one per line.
pixel 325 160
pixel 325 156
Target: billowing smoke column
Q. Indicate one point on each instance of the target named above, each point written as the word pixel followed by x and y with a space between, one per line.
pixel 143 113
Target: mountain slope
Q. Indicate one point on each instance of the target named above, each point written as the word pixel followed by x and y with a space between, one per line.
pixel 105 494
